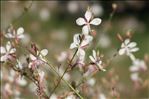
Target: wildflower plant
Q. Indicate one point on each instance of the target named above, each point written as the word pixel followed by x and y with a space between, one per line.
pixel 24 65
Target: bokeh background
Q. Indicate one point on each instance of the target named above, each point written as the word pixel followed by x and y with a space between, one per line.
pixel 51 25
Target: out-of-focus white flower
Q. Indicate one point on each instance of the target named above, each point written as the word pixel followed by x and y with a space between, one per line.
pixel 73 6
pixel 8 89
pixel 6 52
pixel 38 59
pixel 44 14
pixel 102 96
pixel 96 60
pixel 53 96
pixel 70 97
pixel 21 81
pixel 91 82
pixel 104 41
pixel 138 65
pixel 80 44
pixel 62 57
pixel 128 47
pixel 135 76
pixel 97 9
pixel 91 70
pixel 87 21
pixel 17 35
pixel 41 75
pixel 41 80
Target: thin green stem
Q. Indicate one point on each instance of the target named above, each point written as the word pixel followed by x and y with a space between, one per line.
pixel 52 67
pixel 64 72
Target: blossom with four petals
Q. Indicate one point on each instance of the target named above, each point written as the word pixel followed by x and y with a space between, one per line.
pixel 7 52
pixel 128 47
pixel 38 59
pixel 80 43
pixel 87 21
pixel 17 35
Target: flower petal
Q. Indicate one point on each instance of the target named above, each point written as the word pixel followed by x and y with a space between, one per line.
pixel 81 55
pixel 88 15
pixel 80 21
pixel 32 57
pixel 9 35
pixel 73 45
pixel 44 52
pixel 20 31
pixel 8 46
pixel 121 51
pixel 132 44
pixel 134 49
pixel 87 39
pixel 76 39
pixel 13 50
pixel 3 58
pixel 96 21
pixel 92 59
pixel 85 30
pixel 3 50
pixel 126 41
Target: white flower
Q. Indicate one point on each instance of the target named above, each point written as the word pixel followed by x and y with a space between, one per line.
pixel 21 81
pixel 128 47
pixel 71 97
pixel 38 59
pixel 6 52
pixel 135 77
pixel 91 82
pixel 87 21
pixel 96 59
pixel 80 44
pixel 17 35
pixel 138 65
pixel 101 96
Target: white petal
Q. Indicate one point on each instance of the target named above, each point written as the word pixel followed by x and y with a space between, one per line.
pixel 92 59
pixel 20 31
pixel 73 45
pixel 80 21
pixel 126 41
pixel 96 21
pixel 8 46
pixel 3 58
pixel 134 49
pixel 88 15
pixel 9 35
pixel 85 30
pixel 76 39
pixel 44 52
pixel 13 50
pixel 132 44
pixel 81 52
pixel 32 57
pixel 3 50
pixel 121 51
pixel 87 39
pixel 94 54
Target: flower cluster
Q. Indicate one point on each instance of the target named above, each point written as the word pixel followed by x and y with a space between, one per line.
pixel 138 65
pixel 81 41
